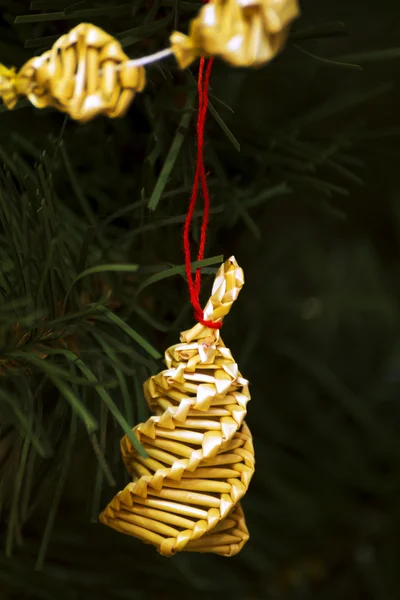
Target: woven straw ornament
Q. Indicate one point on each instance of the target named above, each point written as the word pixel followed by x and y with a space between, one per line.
pixel 244 33
pixel 85 74
pixel 200 459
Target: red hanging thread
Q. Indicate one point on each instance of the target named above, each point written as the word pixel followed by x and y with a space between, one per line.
pixel 199 178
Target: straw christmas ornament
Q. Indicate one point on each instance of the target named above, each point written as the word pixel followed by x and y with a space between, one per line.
pixel 244 33
pixel 200 459
pixel 86 73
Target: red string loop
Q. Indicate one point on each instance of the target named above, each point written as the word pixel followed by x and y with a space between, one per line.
pixel 199 179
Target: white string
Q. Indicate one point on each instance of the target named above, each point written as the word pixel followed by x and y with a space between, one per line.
pixel 147 60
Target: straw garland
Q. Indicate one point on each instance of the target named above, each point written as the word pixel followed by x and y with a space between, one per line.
pixel 86 73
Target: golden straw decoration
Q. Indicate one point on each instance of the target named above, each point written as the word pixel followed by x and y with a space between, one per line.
pixel 85 74
pixel 245 33
pixel 200 459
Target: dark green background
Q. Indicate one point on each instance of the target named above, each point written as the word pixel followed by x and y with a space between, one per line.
pixel 316 329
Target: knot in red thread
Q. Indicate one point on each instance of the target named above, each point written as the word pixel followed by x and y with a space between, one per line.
pixel 211 324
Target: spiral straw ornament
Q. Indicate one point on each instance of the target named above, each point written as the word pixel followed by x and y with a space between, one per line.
pixel 200 458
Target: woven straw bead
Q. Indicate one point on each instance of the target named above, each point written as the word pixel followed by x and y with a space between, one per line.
pixel 84 74
pixel 244 33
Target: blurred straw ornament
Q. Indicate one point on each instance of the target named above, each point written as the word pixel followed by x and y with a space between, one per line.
pixel 85 74
pixel 244 33
pixel 200 459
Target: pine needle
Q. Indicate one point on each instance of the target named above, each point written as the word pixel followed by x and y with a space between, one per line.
pixel 172 155
pixel 59 487
pixel 180 270
pixel 134 335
